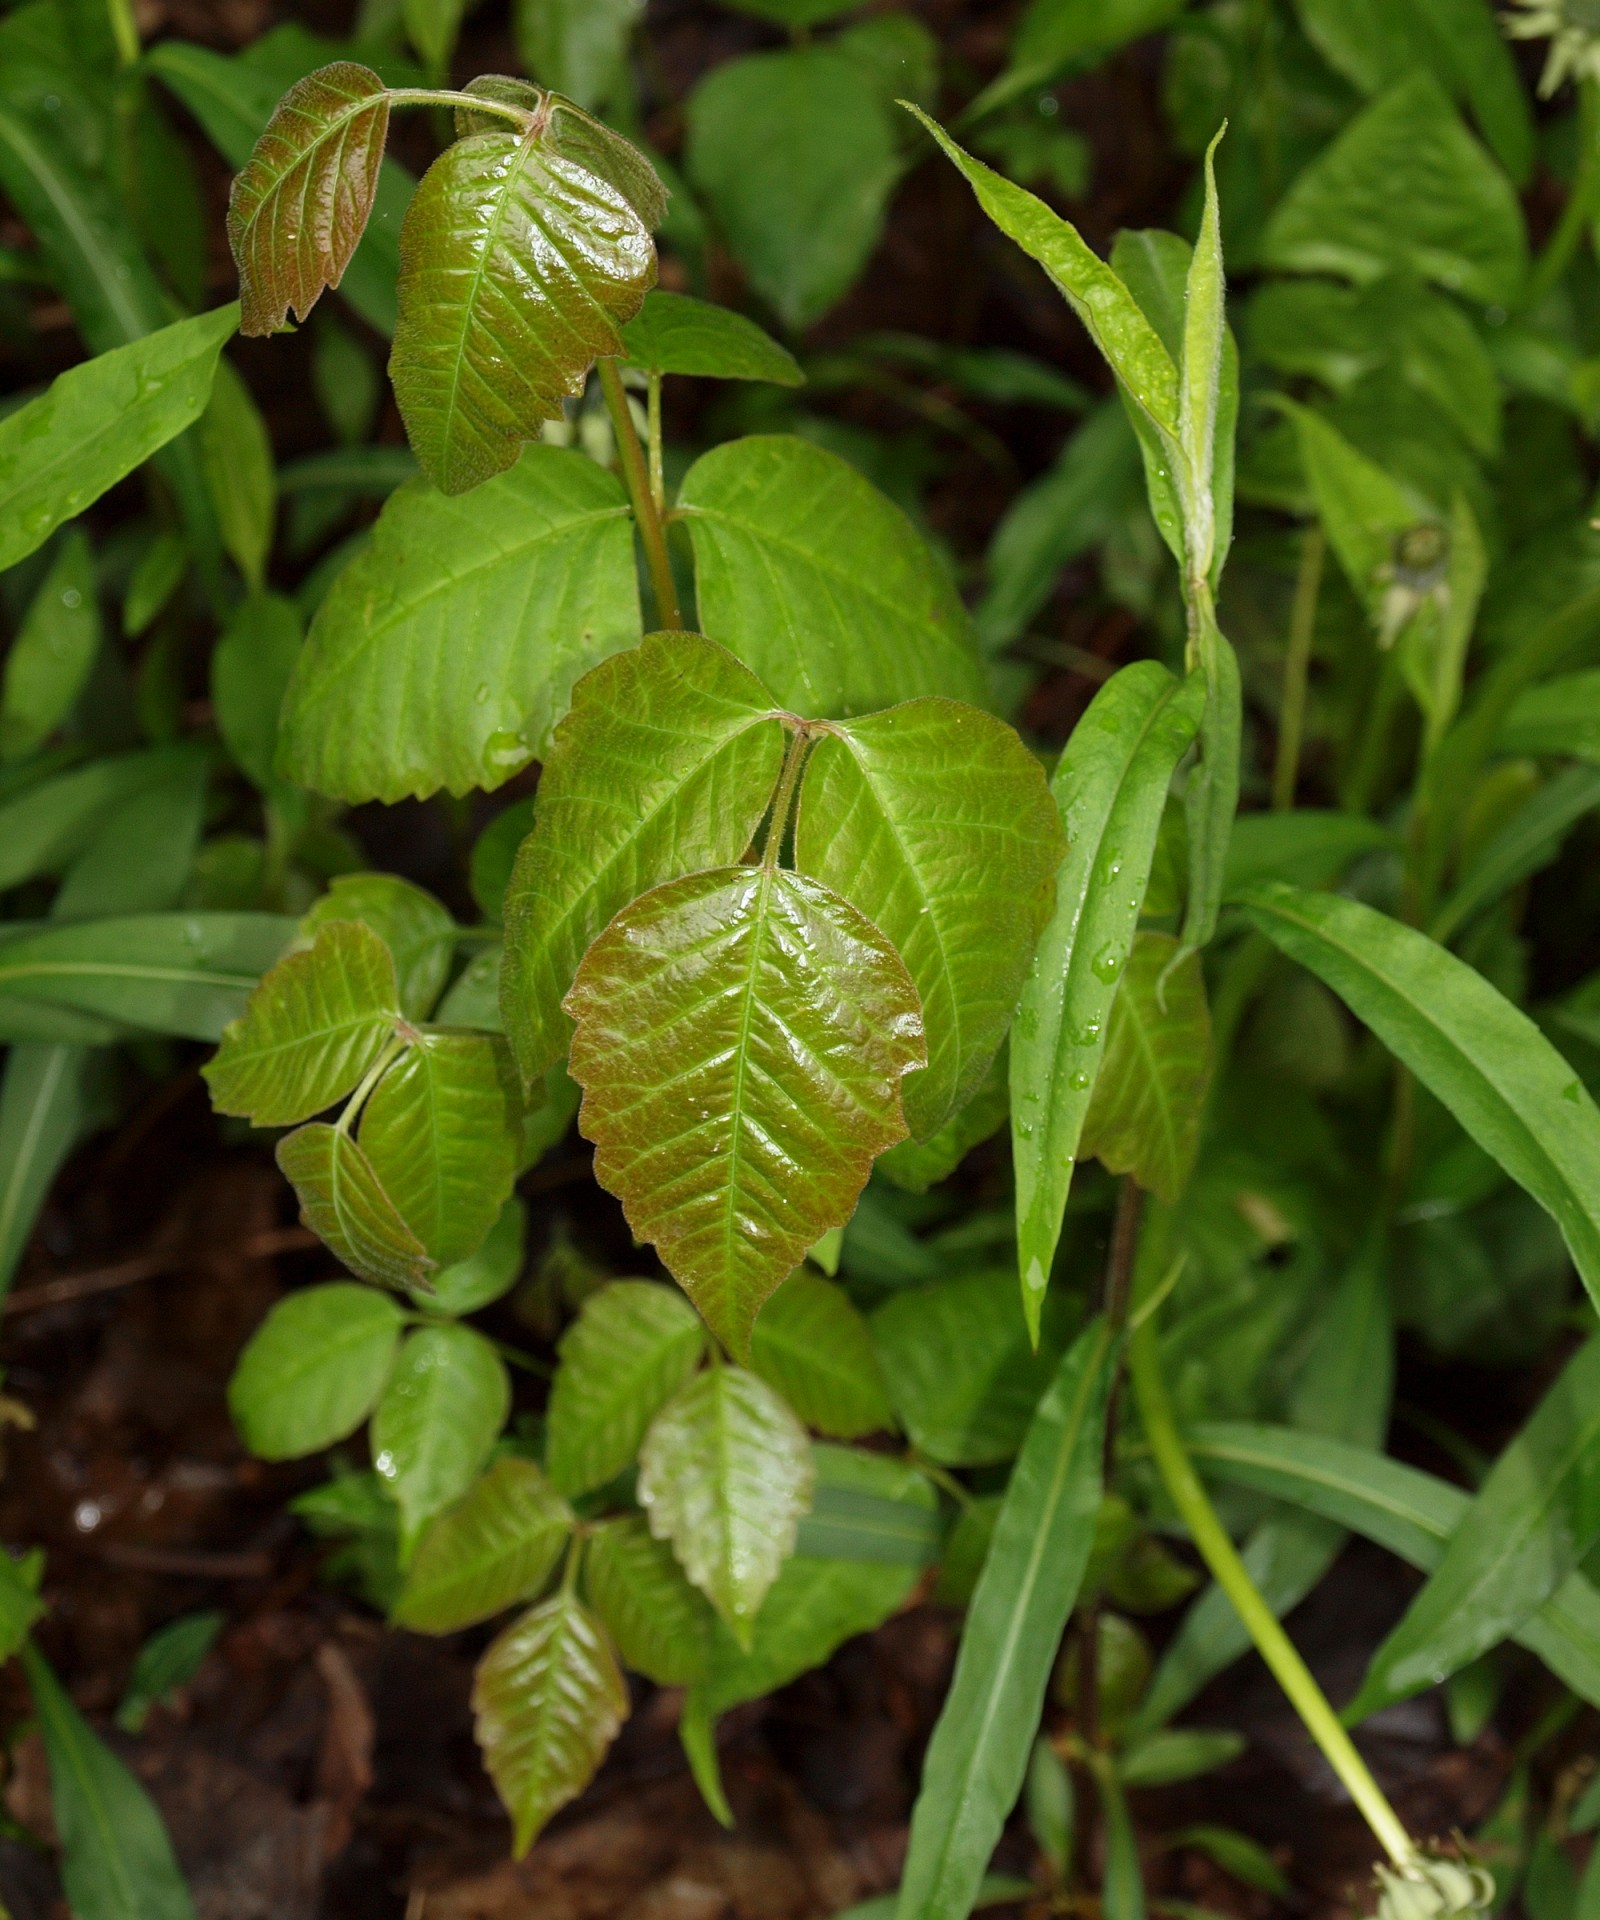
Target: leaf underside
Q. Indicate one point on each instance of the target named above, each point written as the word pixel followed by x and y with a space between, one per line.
pixel 344 1204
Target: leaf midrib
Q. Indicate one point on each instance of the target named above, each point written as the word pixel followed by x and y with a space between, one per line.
pixel 334 128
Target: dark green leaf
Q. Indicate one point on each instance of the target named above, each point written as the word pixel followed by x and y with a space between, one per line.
pixel 20 1605
pixel 250 671
pixel 236 458
pixel 1056 36
pixel 673 334
pixel 50 1096
pixel 661 1625
pixel 1308 847
pixel 169 1659
pixel 155 579
pixel 140 858
pixel 1530 840
pixel 54 649
pixel 441 1413
pixel 45 827
pixel 813 1346
pixel 579 47
pixel 1559 717
pixel 497 1546
pixel 917 1165
pixel 1178 1753
pixel 313 1369
pixel 872 1509
pixel 344 1205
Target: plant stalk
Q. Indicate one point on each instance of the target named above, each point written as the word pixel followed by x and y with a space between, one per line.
pixel 783 799
pixel 636 476
pixel 1274 1645
pixel 658 479
pixel 1297 666
pixel 124 31
pixel 449 97
pixel 1563 242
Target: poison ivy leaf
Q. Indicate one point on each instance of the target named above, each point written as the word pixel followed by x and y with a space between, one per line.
pixel 632 1346
pixel 672 333
pixel 445 652
pixel 781 1022
pixel 315 1025
pixel 666 763
pixel 795 154
pixel 442 1132
pixel 1144 1113
pixel 819 583
pixel 547 1702
pixel 579 47
pixel 298 209
pixel 54 649
pixel 1404 186
pixel 313 1370
pixel 486 1274
pixel 870 1508
pixel 517 266
pixel 344 1205
pixel 916 1165
pixel 418 931
pixel 236 456
pixel 441 1413
pixel 660 1624
pixel 810 1343
pixel 979 1751
pixel 1111 787
pixel 1487 1062
pixel 725 1473
pixel 499 1545
pixel 250 670
pixel 97 422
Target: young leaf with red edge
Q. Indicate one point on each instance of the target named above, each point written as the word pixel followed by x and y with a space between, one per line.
pixel 344 1204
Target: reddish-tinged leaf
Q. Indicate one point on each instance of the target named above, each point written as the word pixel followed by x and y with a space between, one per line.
pixel 343 1202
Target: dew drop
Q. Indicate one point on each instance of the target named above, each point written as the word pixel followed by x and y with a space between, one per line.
pixel 1106 964
pixel 1079 1081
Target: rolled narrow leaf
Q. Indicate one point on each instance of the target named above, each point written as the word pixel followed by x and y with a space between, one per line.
pixel 497 1547
pixel 1473 1050
pixel 440 1414
pixel 298 209
pixel 546 1703
pixel 664 765
pixel 741 1039
pixel 661 1625
pixel 313 1370
pixel 344 1204
pixel 979 1752
pixel 1111 787
pixel 935 821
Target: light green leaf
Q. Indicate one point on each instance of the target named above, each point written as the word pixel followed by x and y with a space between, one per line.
pixel 819 583
pixel 672 333
pixel 432 27
pixel 97 422
pixel 935 821
pixel 665 764
pixel 547 1702
pixel 1149 1095
pixel 1200 382
pixel 632 1346
pixel 661 1625
pixel 979 1751
pixel 55 648
pixel 810 1343
pixel 1111 788
pixel 441 1413
pixel 169 1659
pixel 50 1096
pixel 1364 510
pixel 313 1370
pixel 486 1274
pixel 1488 1063
pixel 741 1039
pixel 344 1205
pixel 497 1546
pixel 236 457
pixel 871 1509
pixel 314 1026
pixel 445 652
pixel 418 931
pixel 725 1473
pixel 1178 1753
pixel 251 666
pixel 579 47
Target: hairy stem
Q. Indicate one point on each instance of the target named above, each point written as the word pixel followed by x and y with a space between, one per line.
pixel 448 97
pixel 1297 666
pixel 783 799
pixel 636 476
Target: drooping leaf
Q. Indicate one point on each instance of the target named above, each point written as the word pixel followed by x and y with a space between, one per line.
pixel 632 1346
pixel 50 1096
pixel 935 821
pixel 298 209
pixel 672 333
pixel 315 1025
pixel 547 1702
pixel 725 1473
pixel 343 1203
pixel 313 1370
pixel 250 670
pixel 446 651
pixel 441 1412
pixel 416 928
pixel 661 1625
pixel 811 1343
pixel 776 1018
pixel 54 649
pixel 665 763
pixel 979 1752
pixel 497 1547
pixel 819 583
pixel 1111 787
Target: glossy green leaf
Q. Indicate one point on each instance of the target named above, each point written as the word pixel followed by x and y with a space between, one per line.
pixel 315 1025
pixel 1111 787
pixel 496 1547
pixel 819 583
pixel 251 667
pixel 298 209
pixel 811 1343
pixel 935 821
pixel 665 764
pixel 1149 1095
pixel 446 651
pixel 1487 1062
pixel 313 1370
pixel 169 1659
pixel 1560 717
pixel 48 662
pixel 672 333
pixel 97 422
pixel 236 457
pixel 487 1273
pixel 661 1625
pixel 725 1473
pixel 547 1702
pixel 779 1022
pixel 50 1096
pixel 632 1346
pixel 872 1509
pixel 441 1413
pixel 979 1751
pixel 1530 840
pixel 579 47
pixel 418 931
pixel 344 1205
pixel 1308 846
pixel 116 1859
pixel 1404 186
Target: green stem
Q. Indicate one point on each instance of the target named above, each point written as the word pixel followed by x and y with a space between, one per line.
pixel 1562 244
pixel 448 97
pixel 1228 1570
pixel 1297 666
pixel 636 476
pixel 658 479
pixel 392 1051
pixel 783 798
pixel 124 30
